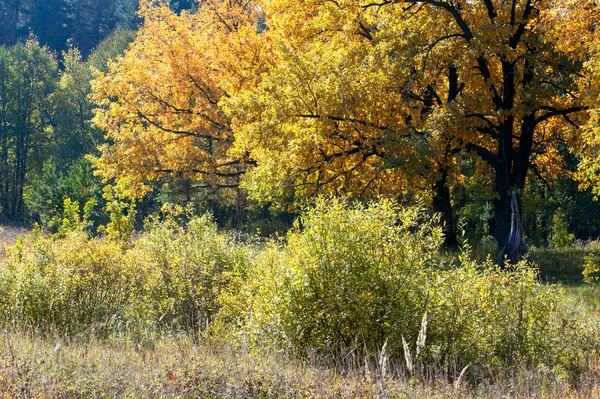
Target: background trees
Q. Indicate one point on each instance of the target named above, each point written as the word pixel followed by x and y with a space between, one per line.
pixel 27 77
pixel 45 117
pixel 59 24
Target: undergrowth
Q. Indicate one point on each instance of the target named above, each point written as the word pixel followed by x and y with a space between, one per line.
pixel 350 286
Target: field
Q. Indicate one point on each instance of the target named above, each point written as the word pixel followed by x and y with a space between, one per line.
pixel 31 367
pixel 97 317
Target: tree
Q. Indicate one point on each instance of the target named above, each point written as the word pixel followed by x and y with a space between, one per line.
pixel 50 188
pixel 109 49
pixel 368 94
pixel 72 110
pixel 51 21
pixel 93 20
pixel 159 105
pixel 589 169
pixel 28 74
pixel 96 20
pixel 333 115
pixel 62 172
pixel 354 97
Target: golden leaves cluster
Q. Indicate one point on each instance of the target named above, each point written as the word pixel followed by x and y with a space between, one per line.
pixel 159 104
pixel 349 96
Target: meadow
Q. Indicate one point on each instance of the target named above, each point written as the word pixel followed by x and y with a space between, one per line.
pixel 354 301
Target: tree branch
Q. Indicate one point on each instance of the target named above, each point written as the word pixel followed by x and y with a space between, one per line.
pixel 558 112
pixel 490 9
pixel 483 153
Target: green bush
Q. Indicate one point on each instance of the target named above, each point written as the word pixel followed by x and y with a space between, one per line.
pixel 351 278
pixel 342 279
pixel 560 236
pixel 359 274
pixel 188 268
pixel 65 284
pixel 47 195
pixel 167 278
pixel 484 316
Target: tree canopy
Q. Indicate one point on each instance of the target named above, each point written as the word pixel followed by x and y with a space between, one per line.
pixel 159 105
pixel 293 99
pixel 403 87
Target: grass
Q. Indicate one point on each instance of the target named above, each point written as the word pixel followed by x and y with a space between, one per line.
pixel 10 233
pixel 31 367
pixel 35 365
pixel 562 265
pixel 556 265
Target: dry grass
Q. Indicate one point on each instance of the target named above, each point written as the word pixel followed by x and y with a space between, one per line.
pixel 31 367
pixel 9 234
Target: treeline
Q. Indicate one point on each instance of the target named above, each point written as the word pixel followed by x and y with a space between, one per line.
pixel 62 24
pixel 45 124
pixel 251 108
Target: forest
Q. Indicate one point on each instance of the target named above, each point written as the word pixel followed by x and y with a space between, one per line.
pixel 300 198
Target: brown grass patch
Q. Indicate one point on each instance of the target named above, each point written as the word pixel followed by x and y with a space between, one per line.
pixel 48 368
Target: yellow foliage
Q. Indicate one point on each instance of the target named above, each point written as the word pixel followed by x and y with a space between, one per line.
pixel 372 99
pixel 158 104
pixel 291 99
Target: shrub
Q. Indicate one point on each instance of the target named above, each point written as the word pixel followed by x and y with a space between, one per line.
pixel 352 277
pixel 560 236
pixel 347 278
pixel 342 279
pixel 188 267
pixel 591 268
pixel 487 317
pixel 359 274
pixel 66 283
pixel 169 277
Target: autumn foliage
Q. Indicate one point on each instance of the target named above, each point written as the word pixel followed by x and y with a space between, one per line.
pixel 159 104
pixel 292 99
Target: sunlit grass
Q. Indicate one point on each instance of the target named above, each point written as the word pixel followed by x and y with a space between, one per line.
pixel 140 353
pixel 181 368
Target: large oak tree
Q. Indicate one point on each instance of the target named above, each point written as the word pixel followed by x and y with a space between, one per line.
pixel 354 97
pixel 370 91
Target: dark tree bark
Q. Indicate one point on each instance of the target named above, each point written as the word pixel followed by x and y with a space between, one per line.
pixel 442 204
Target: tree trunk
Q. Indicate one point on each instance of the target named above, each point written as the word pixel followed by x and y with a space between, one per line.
pixel 515 247
pixel 508 177
pixel 442 204
pixel 501 222
pixel 240 204
pixel 502 212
